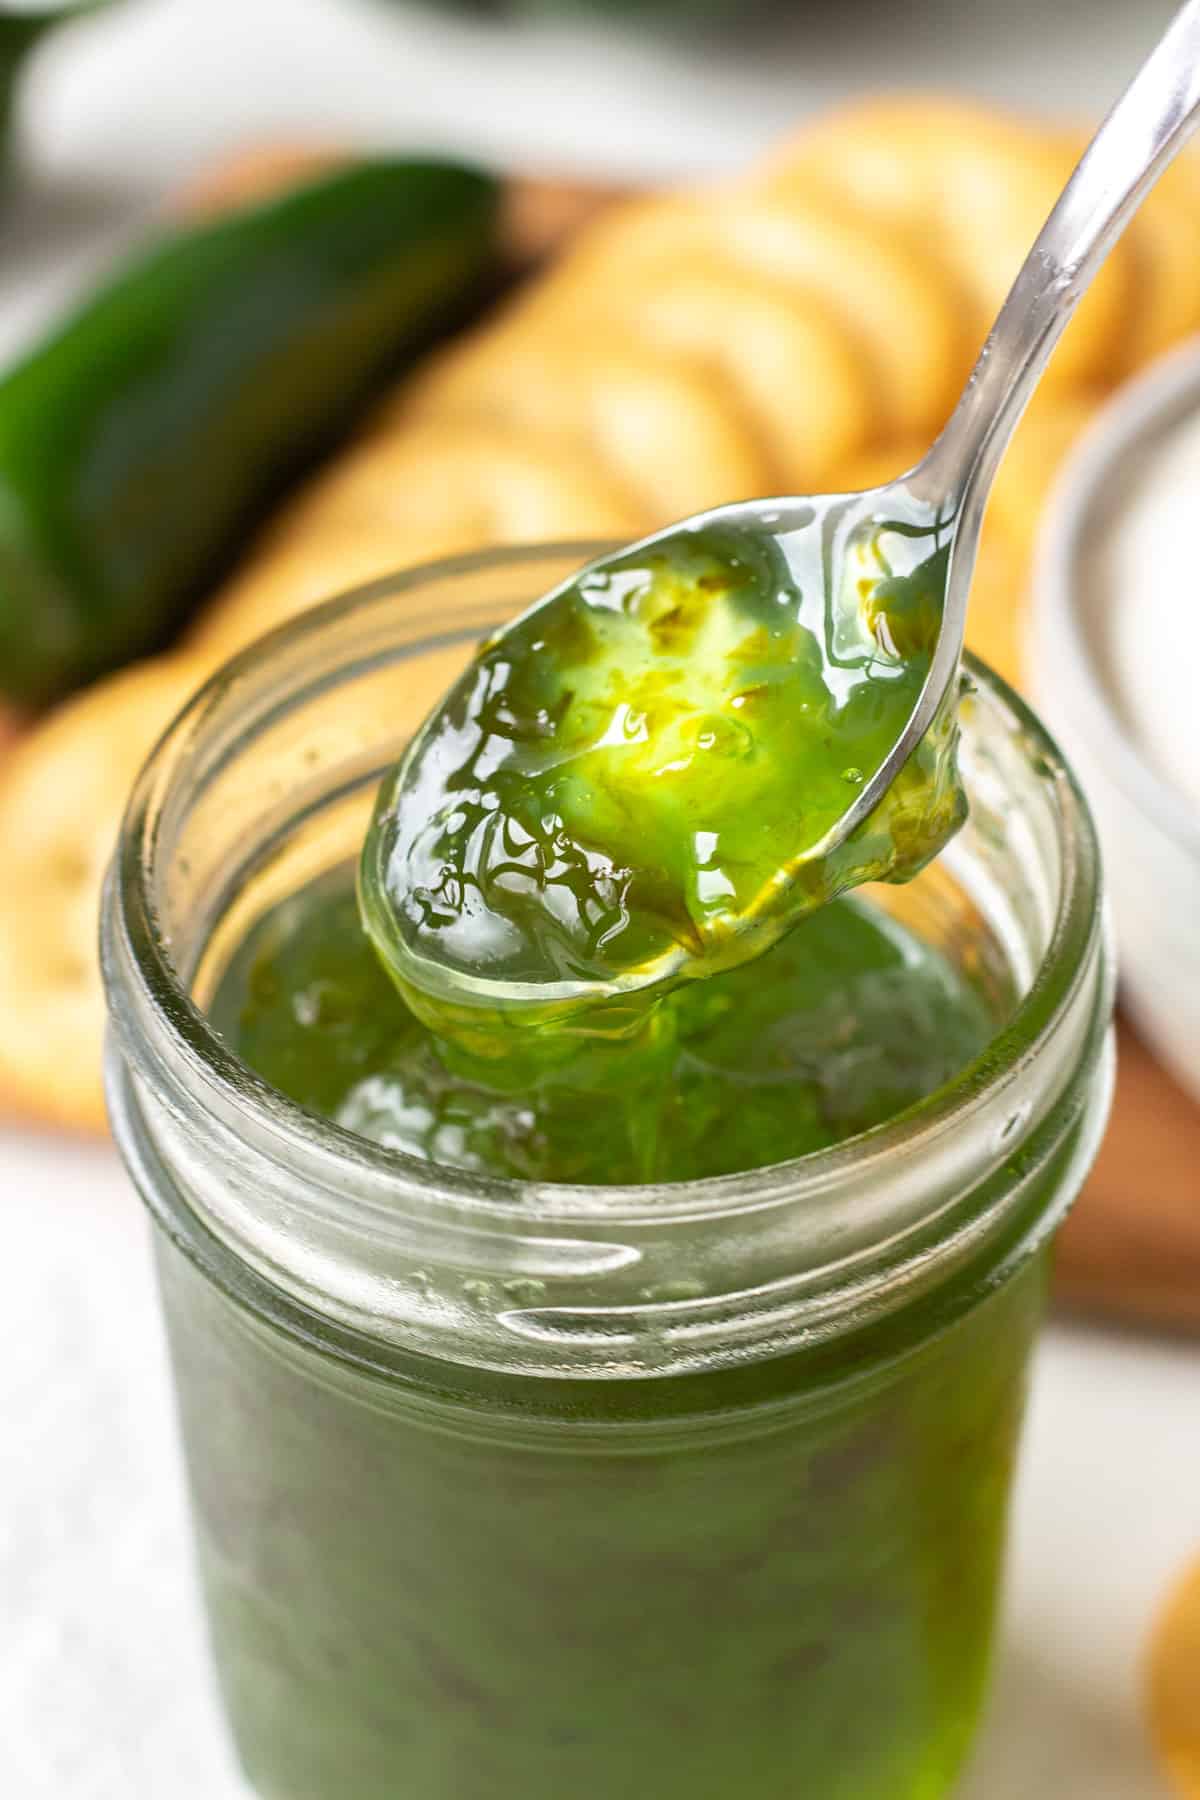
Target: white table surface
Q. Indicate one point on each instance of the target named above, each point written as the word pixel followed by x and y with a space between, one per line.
pixel 104 1688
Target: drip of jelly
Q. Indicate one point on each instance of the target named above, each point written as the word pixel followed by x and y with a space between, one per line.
pixel 641 780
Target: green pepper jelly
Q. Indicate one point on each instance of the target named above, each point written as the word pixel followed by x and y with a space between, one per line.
pixel 771 1582
pixel 841 1025
pixel 789 1597
pixel 643 776
pixel 642 779
pixel 621 1397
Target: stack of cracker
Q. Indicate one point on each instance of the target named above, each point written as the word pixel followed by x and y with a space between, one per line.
pixel 804 328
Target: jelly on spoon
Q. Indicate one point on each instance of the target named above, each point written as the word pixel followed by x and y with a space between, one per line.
pixel 657 769
pixel 644 777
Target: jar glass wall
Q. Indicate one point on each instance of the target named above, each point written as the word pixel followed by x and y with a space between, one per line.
pixel 507 1489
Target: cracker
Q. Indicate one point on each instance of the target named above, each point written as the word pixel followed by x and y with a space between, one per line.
pixel 462 484
pixel 401 498
pixel 1052 426
pixel 783 353
pixel 805 328
pixel 971 186
pixel 1164 236
pixel 671 439
pixel 1173 1686
pixel 776 355
pixel 996 610
pixel 63 789
pixel 877 465
pixel 289 571
pixel 889 300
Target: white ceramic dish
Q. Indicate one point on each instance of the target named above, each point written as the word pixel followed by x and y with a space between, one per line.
pixel 1149 829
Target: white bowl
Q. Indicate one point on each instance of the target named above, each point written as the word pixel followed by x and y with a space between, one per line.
pixel 1150 831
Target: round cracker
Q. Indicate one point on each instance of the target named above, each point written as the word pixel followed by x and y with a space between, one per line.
pixel 292 570
pixel 973 186
pixel 775 355
pixel 996 608
pixel 877 465
pixel 406 497
pixel 890 300
pixel 1173 1686
pixel 673 440
pixel 784 353
pixel 1052 425
pixel 469 481
pixel 1164 236
pixel 63 789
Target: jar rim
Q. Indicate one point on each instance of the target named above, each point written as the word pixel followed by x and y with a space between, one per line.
pixel 183 1030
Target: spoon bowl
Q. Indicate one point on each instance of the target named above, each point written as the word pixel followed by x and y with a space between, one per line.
pixel 645 777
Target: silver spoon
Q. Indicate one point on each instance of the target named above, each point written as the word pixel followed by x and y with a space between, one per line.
pixel 458 958
pixel 1144 132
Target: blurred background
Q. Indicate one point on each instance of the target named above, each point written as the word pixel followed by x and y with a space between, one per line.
pixel 138 119
pixel 119 106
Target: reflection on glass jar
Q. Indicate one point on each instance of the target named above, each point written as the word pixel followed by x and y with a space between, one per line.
pixel 511 1489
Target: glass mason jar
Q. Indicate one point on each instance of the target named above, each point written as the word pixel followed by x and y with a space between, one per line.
pixel 516 1492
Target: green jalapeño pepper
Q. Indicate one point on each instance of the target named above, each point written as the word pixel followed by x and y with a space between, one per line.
pixel 140 440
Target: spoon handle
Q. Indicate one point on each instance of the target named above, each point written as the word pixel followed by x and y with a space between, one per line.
pixel 1146 128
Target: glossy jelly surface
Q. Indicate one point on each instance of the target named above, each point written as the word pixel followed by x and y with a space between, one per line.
pixel 642 779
